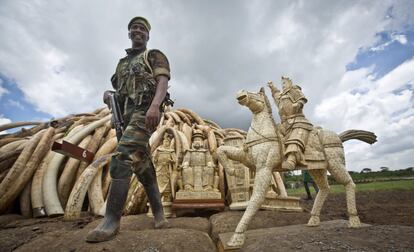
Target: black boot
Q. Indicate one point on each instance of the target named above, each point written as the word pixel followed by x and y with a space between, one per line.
pixel 109 226
pixel 149 181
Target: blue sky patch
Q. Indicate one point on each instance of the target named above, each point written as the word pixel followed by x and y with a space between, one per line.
pixel 386 55
pixel 14 106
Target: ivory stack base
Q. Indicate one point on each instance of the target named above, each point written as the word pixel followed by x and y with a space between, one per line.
pixel 290 204
pixel 184 195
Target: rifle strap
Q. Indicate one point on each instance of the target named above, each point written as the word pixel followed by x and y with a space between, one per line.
pixel 147 62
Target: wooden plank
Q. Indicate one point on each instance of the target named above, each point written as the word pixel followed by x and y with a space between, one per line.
pixel 198 204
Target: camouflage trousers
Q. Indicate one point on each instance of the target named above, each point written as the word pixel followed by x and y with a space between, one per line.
pixel 133 153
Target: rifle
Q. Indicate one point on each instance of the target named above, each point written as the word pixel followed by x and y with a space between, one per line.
pixel 167 100
pixel 117 119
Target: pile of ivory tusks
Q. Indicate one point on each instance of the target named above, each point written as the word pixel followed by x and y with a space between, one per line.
pixel 38 182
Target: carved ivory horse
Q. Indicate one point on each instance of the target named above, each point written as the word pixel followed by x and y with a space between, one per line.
pixel 263 151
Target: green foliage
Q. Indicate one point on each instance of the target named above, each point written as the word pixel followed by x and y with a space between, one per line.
pixel 373 186
pixel 384 169
pixel 381 174
pixel 387 185
pixel 296 181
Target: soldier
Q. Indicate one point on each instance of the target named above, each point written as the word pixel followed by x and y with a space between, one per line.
pixel 294 126
pixel 307 179
pixel 140 82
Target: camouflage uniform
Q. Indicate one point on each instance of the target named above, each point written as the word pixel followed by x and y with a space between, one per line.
pixel 294 126
pixel 135 85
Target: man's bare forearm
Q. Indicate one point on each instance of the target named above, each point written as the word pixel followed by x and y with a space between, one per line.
pixel 153 114
pixel 161 91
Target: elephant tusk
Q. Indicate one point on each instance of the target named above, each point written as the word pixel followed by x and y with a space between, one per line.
pixel 50 196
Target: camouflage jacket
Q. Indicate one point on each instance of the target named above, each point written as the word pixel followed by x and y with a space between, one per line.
pixel 135 78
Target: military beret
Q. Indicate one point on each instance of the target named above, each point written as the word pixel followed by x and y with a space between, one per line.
pixel 140 20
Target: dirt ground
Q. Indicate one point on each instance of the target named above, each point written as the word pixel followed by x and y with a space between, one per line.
pixel 391 214
pixel 374 207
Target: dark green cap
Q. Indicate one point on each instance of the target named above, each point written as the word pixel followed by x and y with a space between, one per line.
pixel 140 20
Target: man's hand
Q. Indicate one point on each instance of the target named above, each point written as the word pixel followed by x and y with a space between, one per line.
pixel 153 114
pixel 152 118
pixel 106 97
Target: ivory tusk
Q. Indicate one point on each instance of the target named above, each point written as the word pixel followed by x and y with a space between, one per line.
pixel 19 144
pixel 9 140
pixel 183 117
pixel 24 200
pixel 77 196
pixel 96 199
pixel 156 138
pixel 191 113
pixel 184 143
pixel 50 196
pixel 17 124
pixel 23 169
pixel 176 118
pixel 68 177
pixel 93 146
pixel 36 190
pixel 188 132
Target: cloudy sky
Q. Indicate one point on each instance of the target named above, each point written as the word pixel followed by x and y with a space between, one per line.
pixel 353 59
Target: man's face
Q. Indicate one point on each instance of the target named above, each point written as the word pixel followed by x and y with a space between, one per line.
pixel 138 35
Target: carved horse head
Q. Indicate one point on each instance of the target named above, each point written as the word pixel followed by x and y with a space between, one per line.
pixel 256 102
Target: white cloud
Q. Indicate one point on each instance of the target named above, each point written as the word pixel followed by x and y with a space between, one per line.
pixel 74 47
pixel 397 78
pixel 4 120
pixel 61 54
pixel 386 108
pixel 400 38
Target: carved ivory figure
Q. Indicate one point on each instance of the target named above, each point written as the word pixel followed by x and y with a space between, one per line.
pixel 199 174
pixel 164 160
pixel 263 151
pixel 294 126
pixel 240 183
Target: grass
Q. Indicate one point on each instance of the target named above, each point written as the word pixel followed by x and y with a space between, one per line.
pixel 374 186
